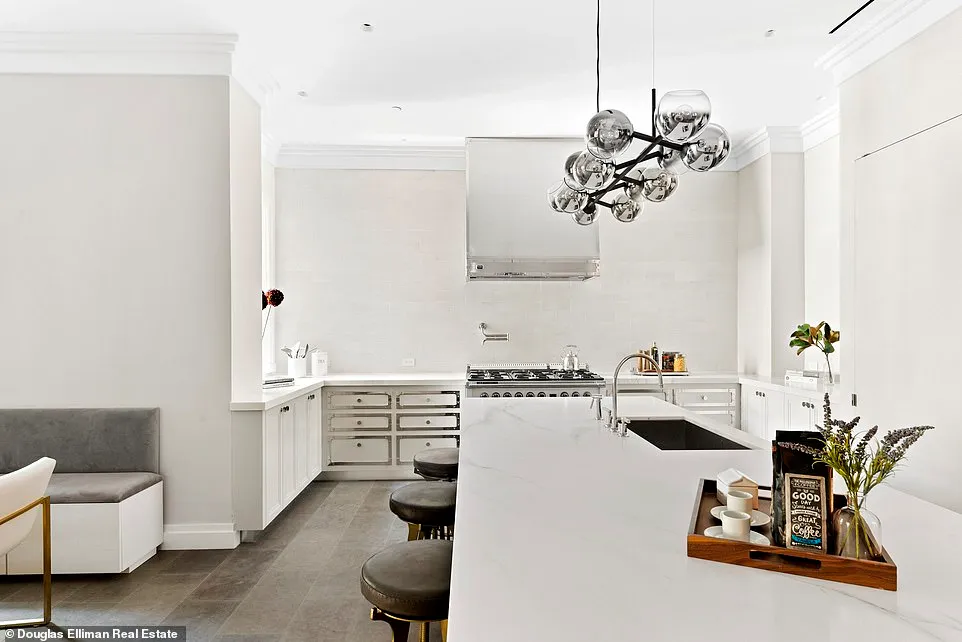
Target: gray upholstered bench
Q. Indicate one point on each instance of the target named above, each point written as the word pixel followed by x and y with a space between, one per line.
pixel 106 492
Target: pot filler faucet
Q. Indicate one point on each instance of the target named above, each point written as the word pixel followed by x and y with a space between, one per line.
pixel 613 422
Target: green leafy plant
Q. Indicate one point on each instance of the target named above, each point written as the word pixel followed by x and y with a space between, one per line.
pixel 820 336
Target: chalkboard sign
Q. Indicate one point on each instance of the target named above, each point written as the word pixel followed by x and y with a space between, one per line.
pixel 805 512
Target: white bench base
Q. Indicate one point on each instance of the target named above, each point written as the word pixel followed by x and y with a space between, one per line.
pixel 94 538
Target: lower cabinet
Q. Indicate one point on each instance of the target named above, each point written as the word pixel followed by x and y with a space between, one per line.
pixel 764 411
pixel 275 454
pixel 800 412
pixel 373 432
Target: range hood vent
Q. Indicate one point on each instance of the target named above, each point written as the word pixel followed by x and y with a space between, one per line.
pixel 512 233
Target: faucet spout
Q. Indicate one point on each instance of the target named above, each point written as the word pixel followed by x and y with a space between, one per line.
pixel 619 425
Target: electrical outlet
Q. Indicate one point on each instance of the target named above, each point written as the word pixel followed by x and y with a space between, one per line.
pixel 408 362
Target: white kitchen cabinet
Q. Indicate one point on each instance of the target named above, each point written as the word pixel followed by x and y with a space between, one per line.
pixel 754 411
pixel 775 409
pixel 800 412
pixel 373 432
pixel 275 454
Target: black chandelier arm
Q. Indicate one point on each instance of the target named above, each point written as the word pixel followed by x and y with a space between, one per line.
pixel 659 141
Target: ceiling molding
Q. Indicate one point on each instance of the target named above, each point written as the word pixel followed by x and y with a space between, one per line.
pixel 820 128
pixel 893 27
pixel 768 140
pixel 166 54
pixel 419 157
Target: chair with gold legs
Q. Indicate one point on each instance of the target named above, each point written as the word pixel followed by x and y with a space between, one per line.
pixel 427 507
pixel 410 583
pixel 21 492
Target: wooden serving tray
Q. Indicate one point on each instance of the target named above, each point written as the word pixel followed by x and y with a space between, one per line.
pixel 880 575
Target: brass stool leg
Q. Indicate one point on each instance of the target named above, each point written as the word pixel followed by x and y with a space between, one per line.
pixel 399 628
pixel 414 532
pixel 425 632
pixel 444 631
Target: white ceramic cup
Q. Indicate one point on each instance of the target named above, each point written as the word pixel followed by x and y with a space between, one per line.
pixel 740 500
pixel 736 524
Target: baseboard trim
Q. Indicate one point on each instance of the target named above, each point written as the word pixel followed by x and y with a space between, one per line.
pixel 398 474
pixel 185 537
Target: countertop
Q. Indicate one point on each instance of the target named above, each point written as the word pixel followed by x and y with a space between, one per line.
pixel 276 396
pixel 628 381
pixel 567 532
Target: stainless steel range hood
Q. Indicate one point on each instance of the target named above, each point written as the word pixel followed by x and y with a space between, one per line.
pixel 512 233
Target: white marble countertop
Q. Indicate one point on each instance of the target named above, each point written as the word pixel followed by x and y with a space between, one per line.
pixel 276 396
pixel 567 532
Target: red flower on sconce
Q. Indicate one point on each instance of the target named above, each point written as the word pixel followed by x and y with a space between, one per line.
pixel 270 299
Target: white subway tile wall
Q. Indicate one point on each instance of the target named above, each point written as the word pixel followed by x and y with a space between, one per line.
pixel 371 263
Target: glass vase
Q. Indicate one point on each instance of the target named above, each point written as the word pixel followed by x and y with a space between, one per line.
pixel 857 530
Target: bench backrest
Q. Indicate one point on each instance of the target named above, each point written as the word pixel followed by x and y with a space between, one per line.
pixel 82 440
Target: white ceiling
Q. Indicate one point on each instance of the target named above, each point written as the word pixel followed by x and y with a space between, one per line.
pixel 494 68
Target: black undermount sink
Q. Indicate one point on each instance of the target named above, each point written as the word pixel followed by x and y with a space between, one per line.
pixel 678 434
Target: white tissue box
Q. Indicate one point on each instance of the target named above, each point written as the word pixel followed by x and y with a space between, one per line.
pixel 733 479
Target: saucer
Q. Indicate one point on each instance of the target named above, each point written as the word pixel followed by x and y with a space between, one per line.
pixel 758 517
pixel 756 538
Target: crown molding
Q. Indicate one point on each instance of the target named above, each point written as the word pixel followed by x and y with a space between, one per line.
pixel 894 26
pixel 419 157
pixel 167 54
pixel 768 140
pixel 820 128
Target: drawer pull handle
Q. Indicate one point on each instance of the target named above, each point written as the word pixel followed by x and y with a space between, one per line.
pixel 358 444
pixel 704 397
pixel 428 422
pixel 359 422
pixel 427 443
pixel 359 400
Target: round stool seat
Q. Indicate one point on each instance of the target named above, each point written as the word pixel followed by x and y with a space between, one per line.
pixel 437 463
pixel 410 580
pixel 428 502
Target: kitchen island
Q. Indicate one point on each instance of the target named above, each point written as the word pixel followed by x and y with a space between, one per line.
pixel 567 532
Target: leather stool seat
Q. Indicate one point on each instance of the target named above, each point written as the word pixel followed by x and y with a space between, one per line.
pixel 437 463
pixel 410 580
pixel 428 502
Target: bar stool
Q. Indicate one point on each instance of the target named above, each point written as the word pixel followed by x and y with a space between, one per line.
pixel 437 464
pixel 410 582
pixel 427 507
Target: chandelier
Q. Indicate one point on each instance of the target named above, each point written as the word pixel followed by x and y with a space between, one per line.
pixel 682 138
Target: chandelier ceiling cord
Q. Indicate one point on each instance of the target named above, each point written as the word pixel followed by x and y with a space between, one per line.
pixel 681 139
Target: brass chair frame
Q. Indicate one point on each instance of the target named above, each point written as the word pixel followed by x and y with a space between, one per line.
pixel 44 503
pixel 401 626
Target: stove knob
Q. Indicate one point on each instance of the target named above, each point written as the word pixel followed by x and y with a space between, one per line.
pixel 530 394
pixel 484 394
pixel 518 394
pixel 496 394
pixel 586 394
pixel 564 394
pixel 541 394
pixel 575 394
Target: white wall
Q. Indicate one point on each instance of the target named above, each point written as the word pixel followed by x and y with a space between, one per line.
pixel 898 289
pixel 822 229
pixel 115 245
pixel 246 235
pixel 788 257
pixel 754 267
pixel 268 267
pixel 372 264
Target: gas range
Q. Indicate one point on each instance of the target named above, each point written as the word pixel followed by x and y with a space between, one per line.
pixel 531 380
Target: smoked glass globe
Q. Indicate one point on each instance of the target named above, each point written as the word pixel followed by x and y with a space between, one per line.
pixel 659 184
pixel 631 189
pixel 592 172
pixel 608 134
pixel 682 114
pixel 586 215
pixel 570 179
pixel 671 160
pixel 563 199
pixel 625 209
pixel 708 150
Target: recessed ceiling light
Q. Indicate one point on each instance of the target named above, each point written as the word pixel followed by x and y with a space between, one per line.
pixel 396 108
pixel 367 26
pixel 302 94
pixel 770 33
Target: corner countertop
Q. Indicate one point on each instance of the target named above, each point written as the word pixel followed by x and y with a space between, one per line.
pixel 629 381
pixel 276 396
pixel 567 532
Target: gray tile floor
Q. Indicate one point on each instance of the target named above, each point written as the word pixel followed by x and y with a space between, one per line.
pixel 298 581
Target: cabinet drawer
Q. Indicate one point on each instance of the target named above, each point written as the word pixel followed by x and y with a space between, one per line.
pixel 358 422
pixel 426 422
pixel 360 450
pixel 361 400
pixel 726 417
pixel 705 397
pixel 427 400
pixel 408 447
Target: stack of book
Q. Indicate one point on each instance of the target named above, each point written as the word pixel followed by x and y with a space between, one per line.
pixel 278 382
pixel 807 379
